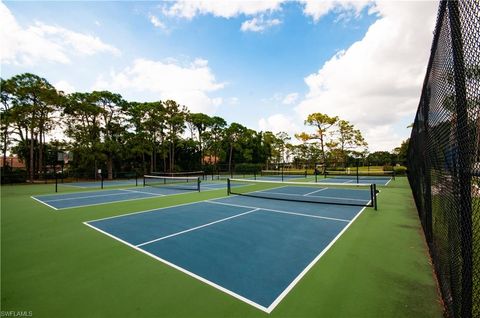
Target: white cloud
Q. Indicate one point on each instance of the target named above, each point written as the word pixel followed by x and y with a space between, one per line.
pixel 277 97
pixel 290 98
pixel 382 137
pixel 225 9
pixel 157 23
pixel 233 101
pixel 345 9
pixel 147 80
pixel 377 80
pixel 40 43
pixel 278 123
pixel 64 86
pixel 259 24
pixel 317 9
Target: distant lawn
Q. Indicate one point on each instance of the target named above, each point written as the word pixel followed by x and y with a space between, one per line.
pixel 55 266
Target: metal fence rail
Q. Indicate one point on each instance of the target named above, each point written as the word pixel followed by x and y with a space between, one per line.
pixel 444 156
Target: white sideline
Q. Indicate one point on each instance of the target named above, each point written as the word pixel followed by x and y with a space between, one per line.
pixel 98 196
pixel 136 191
pixel 278 211
pixel 153 196
pixel 315 191
pixel 181 269
pixel 197 227
pixel 309 266
pixel 272 306
pixel 42 202
pixel 314 196
pixel 308 184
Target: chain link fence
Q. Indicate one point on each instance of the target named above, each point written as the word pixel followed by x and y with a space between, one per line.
pixel 444 156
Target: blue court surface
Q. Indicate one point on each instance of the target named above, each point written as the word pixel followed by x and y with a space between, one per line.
pixel 254 249
pixel 279 178
pixel 88 198
pixel 98 184
pixel 353 180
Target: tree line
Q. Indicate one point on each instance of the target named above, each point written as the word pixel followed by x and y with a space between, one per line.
pixel 104 131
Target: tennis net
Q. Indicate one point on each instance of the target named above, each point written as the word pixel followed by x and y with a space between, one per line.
pixel 180 183
pixel 365 175
pixel 200 174
pixel 358 194
pixel 285 173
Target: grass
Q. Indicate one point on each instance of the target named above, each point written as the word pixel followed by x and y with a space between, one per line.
pixel 55 266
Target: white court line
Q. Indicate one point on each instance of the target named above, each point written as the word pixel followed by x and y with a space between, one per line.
pixel 87 197
pixel 263 191
pixel 340 180
pixel 183 270
pixel 198 227
pixel 215 186
pixel 278 211
pixel 73 186
pixel 42 202
pixel 221 288
pixel 90 190
pixel 315 196
pixel 309 266
pixel 136 191
pixel 315 191
pixel 307 184
pixel 121 201
pixel 151 210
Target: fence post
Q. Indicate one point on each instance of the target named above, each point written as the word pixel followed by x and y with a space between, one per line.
pixel 464 159
pixel 427 168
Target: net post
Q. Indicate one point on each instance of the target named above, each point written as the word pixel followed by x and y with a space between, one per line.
pixel 144 181
pixel 136 179
pixel 63 162
pixel 56 179
pixel 371 193
pixel 393 173
pixel 228 186
pixel 254 175
pixel 374 185
pixel 358 174
pixel 101 181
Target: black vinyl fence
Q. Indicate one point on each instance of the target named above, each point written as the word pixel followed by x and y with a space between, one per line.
pixel 444 156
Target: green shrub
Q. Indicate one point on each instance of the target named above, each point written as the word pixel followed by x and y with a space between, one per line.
pixel 336 169
pixel 248 167
pixel 400 170
pixel 8 175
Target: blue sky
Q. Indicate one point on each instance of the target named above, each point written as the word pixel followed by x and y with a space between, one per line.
pixel 263 64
